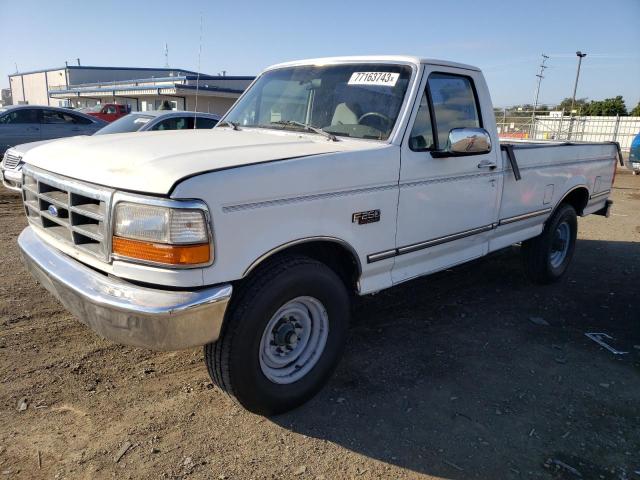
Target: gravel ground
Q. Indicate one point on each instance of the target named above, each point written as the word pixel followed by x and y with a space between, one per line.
pixel 469 373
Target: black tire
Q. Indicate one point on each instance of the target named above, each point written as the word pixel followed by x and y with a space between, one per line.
pixel 537 252
pixel 234 360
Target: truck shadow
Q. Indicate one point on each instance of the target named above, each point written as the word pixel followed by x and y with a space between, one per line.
pixel 458 376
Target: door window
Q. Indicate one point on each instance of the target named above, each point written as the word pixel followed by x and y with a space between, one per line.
pixel 455 104
pixel 20 116
pixel 205 122
pixel 53 117
pixel 77 119
pixel 175 123
pixel 421 137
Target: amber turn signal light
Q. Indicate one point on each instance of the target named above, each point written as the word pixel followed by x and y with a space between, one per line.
pixel 162 253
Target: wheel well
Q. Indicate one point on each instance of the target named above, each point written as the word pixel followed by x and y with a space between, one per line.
pixel 336 255
pixel 577 198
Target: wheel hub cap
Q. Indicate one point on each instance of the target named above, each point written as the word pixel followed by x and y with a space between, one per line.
pixel 293 340
pixel 560 244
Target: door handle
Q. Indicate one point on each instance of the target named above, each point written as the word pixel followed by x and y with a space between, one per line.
pixel 487 164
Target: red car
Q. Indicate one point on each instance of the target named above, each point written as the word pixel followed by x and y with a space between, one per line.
pixel 109 111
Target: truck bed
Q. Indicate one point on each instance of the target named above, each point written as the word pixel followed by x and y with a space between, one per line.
pixel 548 172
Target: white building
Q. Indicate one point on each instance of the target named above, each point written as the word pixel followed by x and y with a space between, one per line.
pixel 140 88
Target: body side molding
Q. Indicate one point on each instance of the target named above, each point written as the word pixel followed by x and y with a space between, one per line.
pixel 414 247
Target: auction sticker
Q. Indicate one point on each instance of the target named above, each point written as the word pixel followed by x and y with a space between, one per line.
pixel 385 79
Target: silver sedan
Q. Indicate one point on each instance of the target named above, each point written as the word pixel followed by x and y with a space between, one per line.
pixel 160 120
pixel 11 166
pixel 32 123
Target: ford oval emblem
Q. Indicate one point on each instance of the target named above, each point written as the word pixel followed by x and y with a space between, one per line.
pixel 53 210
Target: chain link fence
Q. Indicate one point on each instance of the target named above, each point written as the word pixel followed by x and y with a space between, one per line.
pixel 557 126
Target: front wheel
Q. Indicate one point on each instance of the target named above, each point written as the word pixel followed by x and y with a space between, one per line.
pixel 282 337
pixel 547 256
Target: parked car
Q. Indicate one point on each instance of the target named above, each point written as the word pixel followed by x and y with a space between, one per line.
pixel 160 120
pixel 11 166
pixel 30 123
pixel 634 155
pixel 108 112
pixel 326 178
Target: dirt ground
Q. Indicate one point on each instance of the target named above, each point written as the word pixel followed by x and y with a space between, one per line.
pixel 470 373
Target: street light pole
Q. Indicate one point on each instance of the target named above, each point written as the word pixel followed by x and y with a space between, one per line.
pixel 575 86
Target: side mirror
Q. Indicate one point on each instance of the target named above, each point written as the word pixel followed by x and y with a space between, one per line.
pixel 466 141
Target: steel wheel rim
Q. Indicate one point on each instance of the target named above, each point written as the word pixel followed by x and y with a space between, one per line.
pixel 293 340
pixel 560 244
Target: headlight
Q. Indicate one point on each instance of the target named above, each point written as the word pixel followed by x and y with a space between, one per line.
pixel 161 235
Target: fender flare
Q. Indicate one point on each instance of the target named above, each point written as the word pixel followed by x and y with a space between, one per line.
pixel 300 241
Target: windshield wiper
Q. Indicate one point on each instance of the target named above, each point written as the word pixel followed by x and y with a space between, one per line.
pixel 233 125
pixel 310 128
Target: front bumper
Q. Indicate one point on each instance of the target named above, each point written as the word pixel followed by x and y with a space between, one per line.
pixel 12 179
pixel 123 312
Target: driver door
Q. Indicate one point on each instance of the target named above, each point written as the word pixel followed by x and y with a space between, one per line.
pixel 447 204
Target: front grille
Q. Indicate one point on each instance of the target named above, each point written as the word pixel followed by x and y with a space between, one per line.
pixel 68 210
pixel 11 161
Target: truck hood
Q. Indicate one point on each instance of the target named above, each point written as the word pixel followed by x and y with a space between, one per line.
pixel 152 162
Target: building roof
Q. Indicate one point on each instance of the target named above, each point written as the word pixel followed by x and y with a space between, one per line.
pixel 219 77
pixel 93 67
pixel 124 90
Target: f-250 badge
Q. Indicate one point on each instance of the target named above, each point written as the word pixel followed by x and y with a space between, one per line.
pixel 362 218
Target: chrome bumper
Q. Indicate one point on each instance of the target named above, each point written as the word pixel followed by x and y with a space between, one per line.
pixel 124 312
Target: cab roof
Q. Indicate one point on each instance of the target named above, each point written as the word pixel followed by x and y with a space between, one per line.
pixel 396 59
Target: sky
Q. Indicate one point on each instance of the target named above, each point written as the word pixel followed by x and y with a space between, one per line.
pixel 504 38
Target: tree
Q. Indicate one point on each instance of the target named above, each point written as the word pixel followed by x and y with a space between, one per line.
pixel 609 107
pixel 636 111
pixel 580 105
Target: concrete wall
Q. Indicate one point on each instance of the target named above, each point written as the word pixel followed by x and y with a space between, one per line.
pixel 15 84
pixel 57 78
pixel 210 104
pixel 35 88
pixel 32 88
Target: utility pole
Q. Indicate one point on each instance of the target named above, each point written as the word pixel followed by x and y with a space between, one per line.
pixel 540 77
pixel 166 55
pixel 535 101
pixel 575 86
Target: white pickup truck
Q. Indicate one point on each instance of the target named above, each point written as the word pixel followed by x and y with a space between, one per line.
pixel 327 178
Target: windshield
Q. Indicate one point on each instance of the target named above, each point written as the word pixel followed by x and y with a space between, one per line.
pixel 128 123
pixel 351 100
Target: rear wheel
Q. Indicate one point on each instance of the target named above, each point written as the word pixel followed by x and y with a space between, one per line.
pixel 282 337
pixel 547 256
